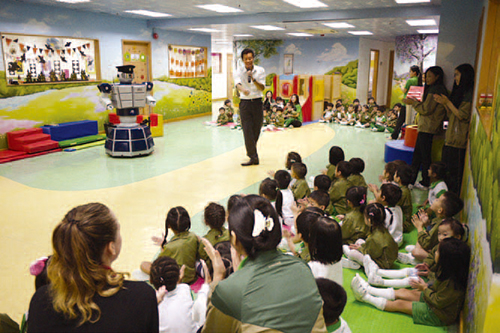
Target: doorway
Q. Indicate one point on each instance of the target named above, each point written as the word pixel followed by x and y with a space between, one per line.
pixel 373 74
pixel 230 79
pixel 390 79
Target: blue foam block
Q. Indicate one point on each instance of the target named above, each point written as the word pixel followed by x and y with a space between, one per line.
pixel 71 130
pixel 396 150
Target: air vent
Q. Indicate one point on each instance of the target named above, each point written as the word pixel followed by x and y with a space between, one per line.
pixel 319 31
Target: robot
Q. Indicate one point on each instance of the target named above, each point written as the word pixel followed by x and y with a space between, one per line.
pixel 128 138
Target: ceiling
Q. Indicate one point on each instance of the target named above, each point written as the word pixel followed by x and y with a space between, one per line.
pixel 384 18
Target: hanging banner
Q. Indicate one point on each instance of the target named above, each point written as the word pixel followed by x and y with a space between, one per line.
pixel 187 61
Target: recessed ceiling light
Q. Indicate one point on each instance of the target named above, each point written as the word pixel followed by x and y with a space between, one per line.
pixel 147 13
pixel 266 27
pixel 339 25
pixel 360 33
pixel 220 8
pixel 401 2
pixel 306 3
pixel 204 29
pixel 428 31
pixel 299 34
pixel 421 23
pixel 242 35
pixel 73 1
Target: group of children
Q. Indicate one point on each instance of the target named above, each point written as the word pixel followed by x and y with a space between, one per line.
pixel 370 115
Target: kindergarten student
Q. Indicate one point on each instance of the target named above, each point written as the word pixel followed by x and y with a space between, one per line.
pixel 214 218
pixel 379 245
pixel 339 188
pixel 283 178
pixel 446 206
pixel 403 178
pixel 222 118
pixel 339 113
pixel 300 189
pixel 183 247
pixel 353 224
pixel 379 122
pixel 335 155
pixel 319 199
pixel 437 173
pixel 322 183
pixel 280 120
pixel 392 120
pixel 231 115
pixel 364 117
pixel 436 305
pixel 357 167
pixel 334 300
pixel 389 197
pixel 350 116
pixel 302 228
pixel 327 114
pixel 269 189
pixel 400 278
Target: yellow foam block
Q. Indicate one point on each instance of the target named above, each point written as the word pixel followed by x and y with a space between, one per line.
pixel 158 130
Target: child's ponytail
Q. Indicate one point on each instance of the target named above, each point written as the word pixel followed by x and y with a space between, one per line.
pixel 375 212
pixel 357 196
pixel 178 220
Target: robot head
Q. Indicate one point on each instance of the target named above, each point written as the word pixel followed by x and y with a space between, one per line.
pixel 126 73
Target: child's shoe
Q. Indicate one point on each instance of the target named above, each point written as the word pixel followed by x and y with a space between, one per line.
pixel 410 248
pixel 419 186
pixel 407 258
pixel 375 280
pixel 346 263
pixel 371 267
pixel 359 287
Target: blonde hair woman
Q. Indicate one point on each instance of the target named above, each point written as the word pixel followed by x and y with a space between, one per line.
pixel 85 293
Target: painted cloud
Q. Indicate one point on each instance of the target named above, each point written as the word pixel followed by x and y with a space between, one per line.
pixel 336 53
pixel 293 49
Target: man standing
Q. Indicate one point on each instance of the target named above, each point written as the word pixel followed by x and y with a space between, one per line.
pixel 250 82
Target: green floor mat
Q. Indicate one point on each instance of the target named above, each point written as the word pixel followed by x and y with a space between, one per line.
pixel 81 141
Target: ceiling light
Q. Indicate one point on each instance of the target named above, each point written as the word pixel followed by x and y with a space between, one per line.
pixel 266 27
pixel 242 35
pixel 73 1
pixel 299 34
pixel 428 31
pixel 147 13
pixel 220 8
pixel 360 33
pixel 402 2
pixel 339 25
pixel 421 23
pixel 306 3
pixel 204 29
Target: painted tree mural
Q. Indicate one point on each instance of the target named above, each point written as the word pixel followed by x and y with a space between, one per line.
pixel 415 48
pixel 266 48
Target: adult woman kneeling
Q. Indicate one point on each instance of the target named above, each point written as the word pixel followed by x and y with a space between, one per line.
pixel 270 291
pixel 84 293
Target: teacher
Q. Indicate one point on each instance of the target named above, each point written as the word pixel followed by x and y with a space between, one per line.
pixel 250 82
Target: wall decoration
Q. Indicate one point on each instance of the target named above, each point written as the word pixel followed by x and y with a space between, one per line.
pixel 216 63
pixel 288 64
pixel 34 59
pixel 187 61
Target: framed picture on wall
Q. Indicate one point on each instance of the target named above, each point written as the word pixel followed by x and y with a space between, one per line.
pixel 36 59
pixel 217 63
pixel 187 61
pixel 288 64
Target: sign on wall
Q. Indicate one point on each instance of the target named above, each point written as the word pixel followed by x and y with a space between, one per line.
pixel 35 59
pixel 187 61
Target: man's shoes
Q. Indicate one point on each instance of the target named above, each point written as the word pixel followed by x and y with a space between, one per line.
pixel 252 161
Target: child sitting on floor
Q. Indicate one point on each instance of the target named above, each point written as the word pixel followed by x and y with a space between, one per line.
pixel 436 305
pixel 269 189
pixel 357 167
pixel 349 117
pixel 339 188
pixel 437 173
pixel 334 300
pixel 222 118
pixel 353 224
pixel 322 183
pixel 364 117
pixel 183 247
pixel 392 120
pixel 283 178
pixel 335 155
pixel 280 120
pixel 300 189
pixel 339 113
pixel 403 178
pixel 379 245
pixel 214 218
pixel 389 197
pixel 327 116
pixel 379 121
pixel 231 115
pixel 302 230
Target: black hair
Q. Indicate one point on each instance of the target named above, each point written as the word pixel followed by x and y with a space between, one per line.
pixel 283 178
pixel 322 182
pixel 464 87
pixel 279 98
pixel 227 101
pixel 456 227
pixel 297 97
pixel 278 108
pixel 372 98
pixel 215 215
pixel 164 272
pixel 321 197
pixel 300 169
pixel 222 108
pixel 338 105
pixel 291 158
pixel 246 51
pixel 42 278
pixel 325 240
pixel 404 173
pixel 391 193
pixel 270 188
pixel 355 100
pixel 375 212
pixel 390 170
pixel 453 262
pixel 335 155
pixel 178 220
pixel 242 222
pixel 224 248
pixel 357 196
pixel 329 104
pixel 437 71
pixel 398 105
pixel 232 201
pixel 357 165
pixel 366 106
pixel 304 220
pixel 416 70
pixel 452 204
pixel 381 108
pixel 344 168
pixel 439 168
pixel 334 299
pixel 351 106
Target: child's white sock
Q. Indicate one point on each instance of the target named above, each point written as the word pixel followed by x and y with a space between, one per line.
pixel 353 255
pixel 407 258
pixel 398 283
pixel 387 293
pixel 378 302
pixel 396 273
pixel 410 248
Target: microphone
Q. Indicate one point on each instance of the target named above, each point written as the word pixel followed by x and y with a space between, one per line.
pixel 249 77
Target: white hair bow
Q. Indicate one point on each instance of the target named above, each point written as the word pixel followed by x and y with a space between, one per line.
pixel 261 223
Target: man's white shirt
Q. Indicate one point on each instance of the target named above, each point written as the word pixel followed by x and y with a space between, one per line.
pixel 241 77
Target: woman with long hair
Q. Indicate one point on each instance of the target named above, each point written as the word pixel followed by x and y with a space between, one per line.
pixel 84 293
pixel 431 116
pixel 414 80
pixel 458 108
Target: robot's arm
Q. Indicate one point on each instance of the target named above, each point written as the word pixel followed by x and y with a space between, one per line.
pixel 105 89
pixel 151 100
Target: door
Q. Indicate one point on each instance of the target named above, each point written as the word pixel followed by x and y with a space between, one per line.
pixel 373 75
pixel 390 79
pixel 230 80
pixel 138 53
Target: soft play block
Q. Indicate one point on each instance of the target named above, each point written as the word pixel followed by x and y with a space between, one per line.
pixel 81 141
pixel 156 130
pixel 17 134
pixel 113 118
pixel 22 155
pixel 71 130
pixel 140 118
pixel 396 150
pixel 40 146
pixel 154 119
pixel 19 142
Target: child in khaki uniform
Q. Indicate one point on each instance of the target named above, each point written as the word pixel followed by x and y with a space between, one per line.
pixel 335 155
pixel 215 217
pixel 300 189
pixel 339 188
pixel 357 167
pixel 403 178
pixel 222 118
pixel 436 305
pixel 353 224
